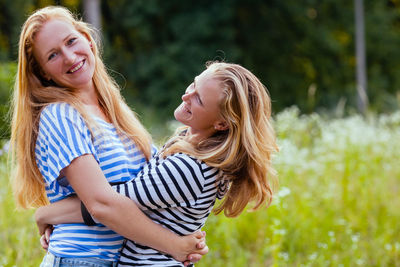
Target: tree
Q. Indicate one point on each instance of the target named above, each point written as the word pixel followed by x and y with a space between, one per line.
pixel 362 99
pixel 92 12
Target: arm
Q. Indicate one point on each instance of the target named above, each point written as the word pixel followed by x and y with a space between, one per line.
pixel 64 211
pixel 176 181
pixel 120 213
pixel 68 211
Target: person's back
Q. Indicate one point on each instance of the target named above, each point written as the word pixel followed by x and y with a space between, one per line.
pixel 178 192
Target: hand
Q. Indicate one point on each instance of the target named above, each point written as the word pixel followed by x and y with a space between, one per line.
pixel 45 238
pixel 190 248
pixel 42 226
pixel 195 257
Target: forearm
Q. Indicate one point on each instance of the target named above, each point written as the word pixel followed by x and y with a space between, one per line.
pixel 124 217
pixel 120 213
pixel 63 211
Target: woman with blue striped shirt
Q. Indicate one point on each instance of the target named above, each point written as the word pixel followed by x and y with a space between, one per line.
pixel 72 133
pixel 223 151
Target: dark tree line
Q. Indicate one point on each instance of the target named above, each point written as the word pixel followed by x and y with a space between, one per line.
pixel 303 51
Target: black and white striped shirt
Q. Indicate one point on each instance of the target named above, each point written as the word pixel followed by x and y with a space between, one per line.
pixel 177 192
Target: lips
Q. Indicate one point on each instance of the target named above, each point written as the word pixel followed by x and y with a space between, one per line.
pixel 185 108
pixel 76 67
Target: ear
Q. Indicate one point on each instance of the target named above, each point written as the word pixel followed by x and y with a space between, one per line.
pixel 88 39
pixel 221 126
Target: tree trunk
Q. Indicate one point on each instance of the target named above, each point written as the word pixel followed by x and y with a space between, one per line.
pixel 362 97
pixel 92 13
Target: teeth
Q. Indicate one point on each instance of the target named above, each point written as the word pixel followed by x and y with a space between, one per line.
pixel 77 67
pixel 186 109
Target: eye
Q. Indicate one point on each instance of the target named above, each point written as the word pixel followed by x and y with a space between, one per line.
pixel 52 55
pixel 189 89
pixel 199 100
pixel 71 41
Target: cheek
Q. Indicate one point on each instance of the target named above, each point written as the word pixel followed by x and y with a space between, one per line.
pixel 51 69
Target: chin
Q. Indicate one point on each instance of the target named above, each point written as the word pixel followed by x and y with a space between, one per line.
pixel 179 118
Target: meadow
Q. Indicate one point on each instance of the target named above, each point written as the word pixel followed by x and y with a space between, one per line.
pixel 338 202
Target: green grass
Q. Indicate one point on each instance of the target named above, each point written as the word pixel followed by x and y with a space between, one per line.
pixel 19 237
pixel 338 202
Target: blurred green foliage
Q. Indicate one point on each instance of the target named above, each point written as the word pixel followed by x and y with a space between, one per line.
pixel 303 51
pixel 7 78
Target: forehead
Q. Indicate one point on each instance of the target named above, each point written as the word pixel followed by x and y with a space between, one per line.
pixel 52 32
pixel 53 29
pixel 208 86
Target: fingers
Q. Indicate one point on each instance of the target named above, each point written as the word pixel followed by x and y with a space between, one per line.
pixel 44 243
pixel 196 256
pixel 42 228
pixel 198 234
pixel 203 251
pixel 45 238
pixel 193 258
pixel 47 233
pixel 187 263
pixel 201 244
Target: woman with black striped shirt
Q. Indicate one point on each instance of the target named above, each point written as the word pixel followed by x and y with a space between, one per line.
pixel 223 151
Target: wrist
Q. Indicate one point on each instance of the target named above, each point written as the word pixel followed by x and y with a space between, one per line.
pixel 39 218
pixel 175 245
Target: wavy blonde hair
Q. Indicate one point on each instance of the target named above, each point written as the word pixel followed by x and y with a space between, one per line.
pixel 243 152
pixel 32 92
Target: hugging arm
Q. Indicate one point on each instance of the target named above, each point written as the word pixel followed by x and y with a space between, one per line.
pixel 176 181
pixel 115 211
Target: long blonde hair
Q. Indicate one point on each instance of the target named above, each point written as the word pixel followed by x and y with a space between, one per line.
pixel 243 152
pixel 32 92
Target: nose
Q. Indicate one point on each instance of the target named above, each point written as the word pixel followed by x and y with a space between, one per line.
pixel 185 97
pixel 188 92
pixel 69 56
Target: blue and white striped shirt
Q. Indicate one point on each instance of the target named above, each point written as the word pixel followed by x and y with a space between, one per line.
pixel 63 136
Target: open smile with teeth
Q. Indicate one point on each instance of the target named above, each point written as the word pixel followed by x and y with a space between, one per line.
pixel 186 109
pixel 77 67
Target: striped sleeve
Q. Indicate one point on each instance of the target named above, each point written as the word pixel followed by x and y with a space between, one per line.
pixel 176 181
pixel 62 137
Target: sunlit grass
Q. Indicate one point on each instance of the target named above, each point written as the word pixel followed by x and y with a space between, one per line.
pixel 19 238
pixel 338 202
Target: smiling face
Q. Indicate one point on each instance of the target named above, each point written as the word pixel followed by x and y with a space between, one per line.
pixel 200 107
pixel 64 55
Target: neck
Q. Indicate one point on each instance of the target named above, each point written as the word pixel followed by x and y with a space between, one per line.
pixel 197 137
pixel 89 95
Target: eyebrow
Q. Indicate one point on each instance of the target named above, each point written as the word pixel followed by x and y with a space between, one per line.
pixel 47 53
pixel 197 92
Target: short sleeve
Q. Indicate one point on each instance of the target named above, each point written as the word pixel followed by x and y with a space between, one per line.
pixel 62 137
